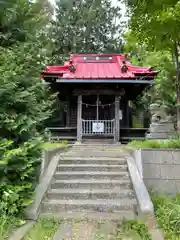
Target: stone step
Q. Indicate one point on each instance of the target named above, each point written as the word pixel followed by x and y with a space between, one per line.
pixel 98 205
pixel 90 193
pixel 91 167
pixel 92 160
pixel 96 216
pixel 94 153
pixel 100 143
pixel 97 148
pixel 91 183
pixel 121 153
pixel 95 143
pixel 91 175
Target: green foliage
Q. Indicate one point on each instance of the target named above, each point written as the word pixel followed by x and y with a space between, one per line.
pixel 85 27
pixel 8 224
pixel 18 174
pixel 52 145
pixel 155 24
pixel 163 91
pixel 167 211
pixel 165 144
pixel 25 101
pixel 24 97
pixel 133 228
pixel 43 229
pixel 20 20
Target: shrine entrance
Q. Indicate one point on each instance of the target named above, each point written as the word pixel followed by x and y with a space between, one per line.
pixel 98 115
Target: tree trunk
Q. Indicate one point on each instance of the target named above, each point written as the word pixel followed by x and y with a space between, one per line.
pixel 176 58
pixel 178 108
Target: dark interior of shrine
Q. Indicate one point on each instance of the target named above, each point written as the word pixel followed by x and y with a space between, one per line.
pixel 105 107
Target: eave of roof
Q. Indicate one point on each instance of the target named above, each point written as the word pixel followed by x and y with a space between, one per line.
pixel 148 82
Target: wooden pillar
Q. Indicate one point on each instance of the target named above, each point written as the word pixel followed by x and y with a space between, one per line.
pixel 117 120
pixel 79 118
pixel 127 115
pixel 68 114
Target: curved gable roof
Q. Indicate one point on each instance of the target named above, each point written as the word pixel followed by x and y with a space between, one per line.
pixel 99 66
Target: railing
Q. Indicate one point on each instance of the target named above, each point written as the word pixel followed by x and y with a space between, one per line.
pixel 98 127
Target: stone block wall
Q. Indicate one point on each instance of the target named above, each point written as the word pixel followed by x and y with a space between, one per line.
pixel 160 169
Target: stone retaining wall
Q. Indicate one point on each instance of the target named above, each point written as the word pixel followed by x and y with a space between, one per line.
pixel 47 156
pixel 160 169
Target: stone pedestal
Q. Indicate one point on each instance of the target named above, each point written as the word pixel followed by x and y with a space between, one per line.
pixel 160 130
pixel 161 126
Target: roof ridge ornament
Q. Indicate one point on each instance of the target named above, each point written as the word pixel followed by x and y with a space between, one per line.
pixel 124 67
pixel 72 68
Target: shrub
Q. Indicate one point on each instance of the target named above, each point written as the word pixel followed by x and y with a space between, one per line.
pixel 19 171
pixel 167 211
pixel 25 101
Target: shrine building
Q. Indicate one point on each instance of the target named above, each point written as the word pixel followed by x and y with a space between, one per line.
pixel 95 91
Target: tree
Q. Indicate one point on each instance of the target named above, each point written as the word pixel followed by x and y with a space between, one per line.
pixel 85 27
pixel 156 23
pixel 163 90
pixel 25 100
pixel 19 20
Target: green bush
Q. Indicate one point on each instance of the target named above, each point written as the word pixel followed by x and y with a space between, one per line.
pixel 25 101
pixel 19 171
pixel 167 211
pixel 173 143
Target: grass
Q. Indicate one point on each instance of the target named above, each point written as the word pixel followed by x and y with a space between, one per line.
pixel 167 211
pixel 43 230
pixel 163 144
pixel 7 225
pixel 132 229
pixel 52 145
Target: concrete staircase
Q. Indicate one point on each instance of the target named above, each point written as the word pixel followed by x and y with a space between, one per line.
pixel 91 181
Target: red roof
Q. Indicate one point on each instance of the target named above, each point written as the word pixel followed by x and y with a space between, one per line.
pixel 99 66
